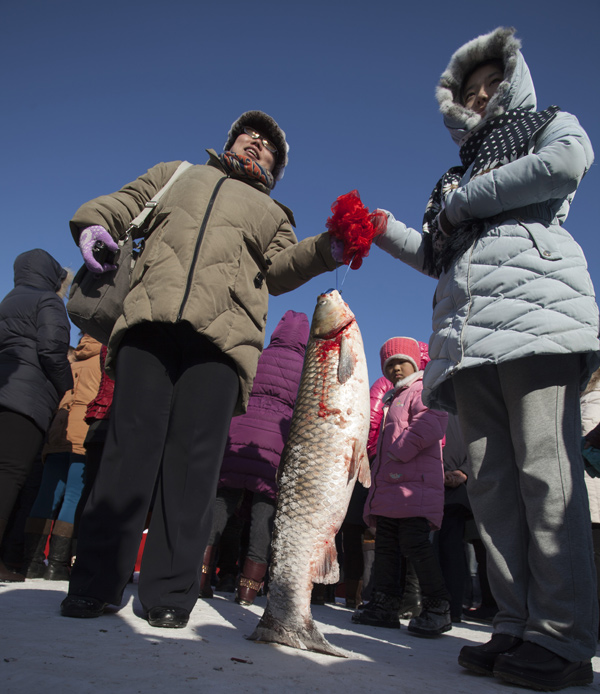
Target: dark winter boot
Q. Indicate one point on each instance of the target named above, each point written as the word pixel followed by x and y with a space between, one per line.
pixel 59 552
pixel 481 658
pixel 434 619
pixel 411 605
pixel 35 539
pixel 382 610
pixel 250 581
pixel 206 590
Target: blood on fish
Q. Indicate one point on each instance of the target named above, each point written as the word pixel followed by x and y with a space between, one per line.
pixel 324 349
pixel 324 411
pixel 326 346
pixel 325 454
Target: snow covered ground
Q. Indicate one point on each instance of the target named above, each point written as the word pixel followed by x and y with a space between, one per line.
pixel 40 651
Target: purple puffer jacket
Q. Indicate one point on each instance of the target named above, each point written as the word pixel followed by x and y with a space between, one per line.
pixel 256 438
pixel 407 477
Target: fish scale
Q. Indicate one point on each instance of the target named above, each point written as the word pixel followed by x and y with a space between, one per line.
pixel 324 455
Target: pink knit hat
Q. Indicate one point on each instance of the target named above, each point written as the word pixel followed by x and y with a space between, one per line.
pixel 400 348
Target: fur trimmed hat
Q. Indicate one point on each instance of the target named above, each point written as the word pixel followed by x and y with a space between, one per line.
pixel 268 127
pixel 500 44
pixel 400 348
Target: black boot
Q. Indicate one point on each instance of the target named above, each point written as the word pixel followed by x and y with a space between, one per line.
pixel 59 552
pixel 382 610
pixel 434 619
pixel 35 539
pixel 535 667
pixel 481 659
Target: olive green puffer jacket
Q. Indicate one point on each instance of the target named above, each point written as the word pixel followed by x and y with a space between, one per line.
pixel 217 247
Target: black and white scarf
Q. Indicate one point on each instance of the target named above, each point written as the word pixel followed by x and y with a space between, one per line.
pixel 499 141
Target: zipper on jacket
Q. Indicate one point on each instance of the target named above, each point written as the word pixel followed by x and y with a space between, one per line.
pixel 201 231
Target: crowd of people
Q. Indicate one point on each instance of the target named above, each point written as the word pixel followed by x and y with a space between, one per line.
pixel 478 437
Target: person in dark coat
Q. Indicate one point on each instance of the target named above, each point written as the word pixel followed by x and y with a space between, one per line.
pixel 34 370
pixel 254 447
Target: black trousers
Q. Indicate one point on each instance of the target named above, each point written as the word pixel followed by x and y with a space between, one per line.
pixel 94 447
pixel 409 538
pixel 452 557
pixel 21 440
pixel 174 398
pixel 353 561
pixel 261 521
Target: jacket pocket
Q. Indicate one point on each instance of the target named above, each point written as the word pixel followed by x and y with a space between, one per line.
pixel 250 289
pixel 543 240
pixel 394 470
pixel 149 243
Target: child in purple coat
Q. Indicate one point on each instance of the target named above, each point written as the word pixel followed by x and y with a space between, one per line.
pixel 406 498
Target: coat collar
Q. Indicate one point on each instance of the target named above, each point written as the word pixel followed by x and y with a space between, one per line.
pixel 214 160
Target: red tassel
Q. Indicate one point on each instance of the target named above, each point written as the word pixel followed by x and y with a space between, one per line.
pixel 352 223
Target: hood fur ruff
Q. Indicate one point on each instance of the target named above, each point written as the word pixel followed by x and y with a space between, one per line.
pixel 499 44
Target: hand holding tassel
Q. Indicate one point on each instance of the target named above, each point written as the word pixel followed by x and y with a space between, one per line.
pixel 355 227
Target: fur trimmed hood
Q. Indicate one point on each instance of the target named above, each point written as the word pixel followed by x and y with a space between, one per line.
pixel 515 91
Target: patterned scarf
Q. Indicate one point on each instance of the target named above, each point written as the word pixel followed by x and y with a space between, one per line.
pixel 501 140
pixel 248 171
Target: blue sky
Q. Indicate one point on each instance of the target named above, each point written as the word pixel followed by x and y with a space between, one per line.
pixel 95 93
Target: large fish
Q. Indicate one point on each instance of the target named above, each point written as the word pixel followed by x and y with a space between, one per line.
pixel 324 456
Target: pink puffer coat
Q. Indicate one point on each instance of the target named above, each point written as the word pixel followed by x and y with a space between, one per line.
pixel 407 478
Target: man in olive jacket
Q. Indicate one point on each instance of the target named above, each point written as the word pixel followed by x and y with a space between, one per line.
pixel 184 355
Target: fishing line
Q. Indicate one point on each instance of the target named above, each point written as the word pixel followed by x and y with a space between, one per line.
pixel 339 288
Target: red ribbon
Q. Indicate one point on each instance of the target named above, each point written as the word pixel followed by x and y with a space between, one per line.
pixel 353 224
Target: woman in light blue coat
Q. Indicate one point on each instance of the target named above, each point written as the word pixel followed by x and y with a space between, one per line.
pixel 515 337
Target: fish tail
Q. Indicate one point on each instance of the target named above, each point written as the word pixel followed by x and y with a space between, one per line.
pixel 303 636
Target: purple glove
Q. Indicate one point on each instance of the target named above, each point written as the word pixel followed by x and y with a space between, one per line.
pixel 337 249
pixel 90 240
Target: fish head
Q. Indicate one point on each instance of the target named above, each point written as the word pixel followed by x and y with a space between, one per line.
pixel 332 314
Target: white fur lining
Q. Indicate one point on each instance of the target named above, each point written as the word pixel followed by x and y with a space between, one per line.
pixel 499 44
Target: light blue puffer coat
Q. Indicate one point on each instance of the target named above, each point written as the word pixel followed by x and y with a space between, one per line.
pixel 523 288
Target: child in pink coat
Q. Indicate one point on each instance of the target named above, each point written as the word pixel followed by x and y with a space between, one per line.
pixel 406 498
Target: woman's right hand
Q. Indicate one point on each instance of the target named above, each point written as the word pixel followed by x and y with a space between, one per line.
pixel 92 238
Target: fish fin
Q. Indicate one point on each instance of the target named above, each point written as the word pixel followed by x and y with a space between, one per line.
pixel 364 469
pixel 305 636
pixel 325 566
pixel 347 360
pixel 359 464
